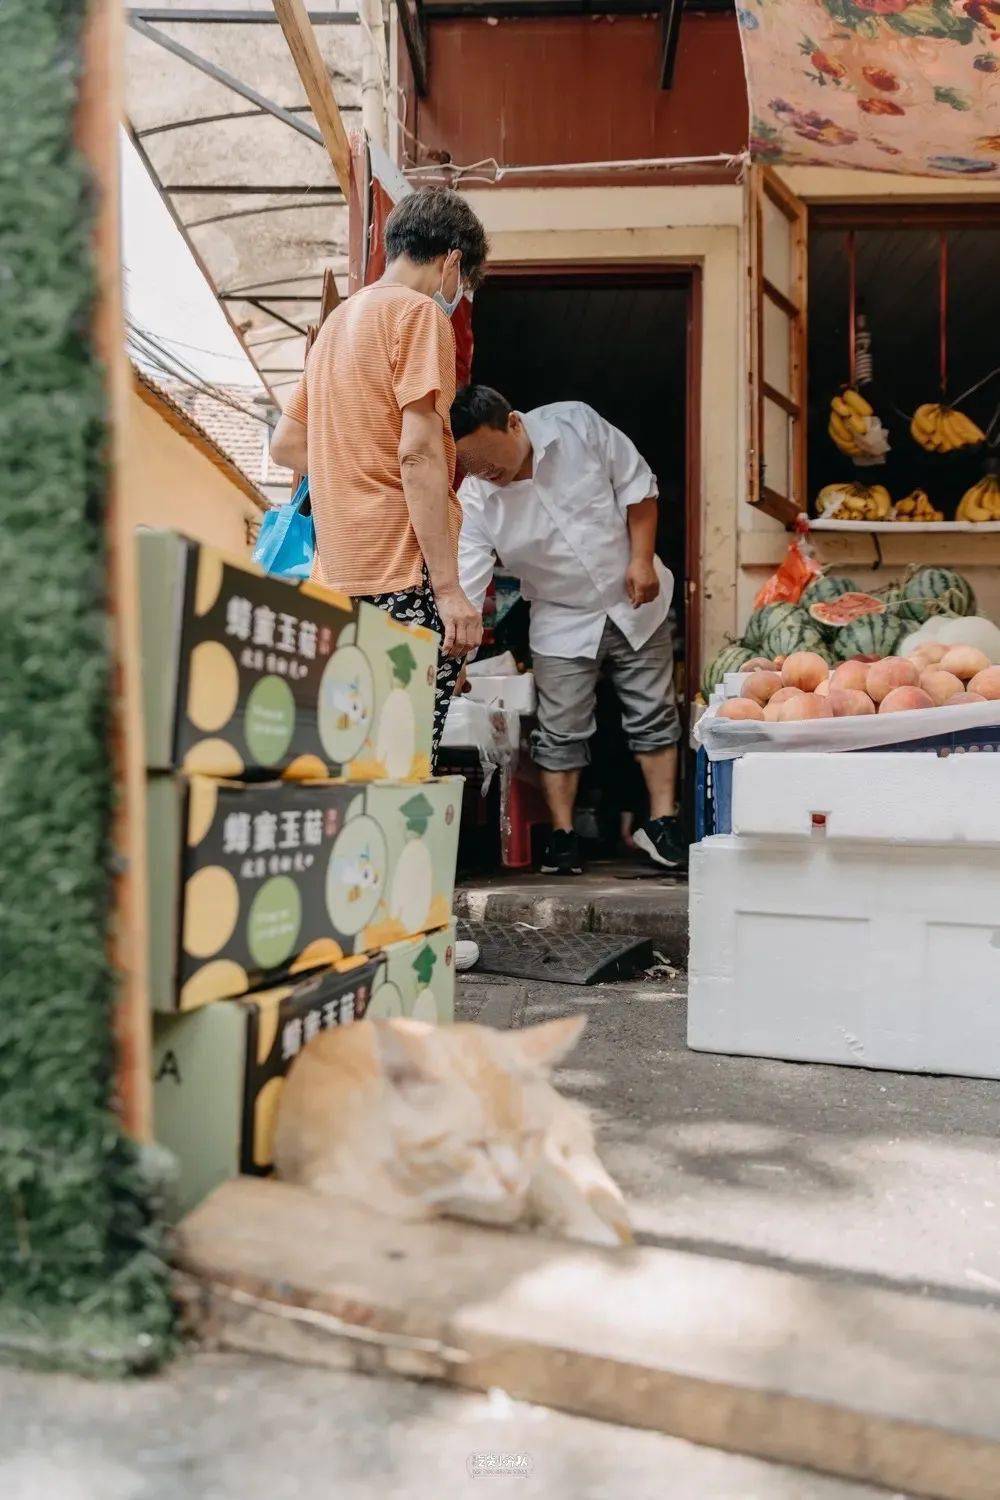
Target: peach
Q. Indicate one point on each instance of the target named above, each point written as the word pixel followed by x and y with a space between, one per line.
pixel 961 698
pixel 986 684
pixel 902 698
pixel 822 689
pixel 847 702
pixel 927 655
pixel 805 706
pixel 762 686
pixel 940 685
pixel 850 675
pixel 740 708
pixel 805 670
pixel 784 693
pixel 891 672
pixel 758 664
pixel 965 661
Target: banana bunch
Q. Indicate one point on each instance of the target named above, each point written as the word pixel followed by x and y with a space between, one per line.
pixel 854 502
pixel 856 429
pixel 942 429
pixel 982 502
pixel 916 507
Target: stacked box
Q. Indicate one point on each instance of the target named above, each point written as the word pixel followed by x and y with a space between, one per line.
pixel 249 881
pixel 219 1071
pixel 246 675
pixel 302 858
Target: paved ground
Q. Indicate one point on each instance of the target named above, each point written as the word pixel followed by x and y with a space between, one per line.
pixel 229 1427
pixel 837 1170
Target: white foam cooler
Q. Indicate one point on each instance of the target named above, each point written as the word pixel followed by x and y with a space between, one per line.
pixel 878 954
pixel 882 797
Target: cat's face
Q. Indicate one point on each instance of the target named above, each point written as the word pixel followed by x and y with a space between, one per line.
pixel 469 1111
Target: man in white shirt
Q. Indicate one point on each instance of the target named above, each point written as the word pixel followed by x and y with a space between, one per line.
pixel 567 503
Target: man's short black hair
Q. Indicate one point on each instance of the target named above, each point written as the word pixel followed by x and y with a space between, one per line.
pixel 478 406
pixel 433 222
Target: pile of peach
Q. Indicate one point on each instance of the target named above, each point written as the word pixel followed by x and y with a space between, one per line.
pixel 803 686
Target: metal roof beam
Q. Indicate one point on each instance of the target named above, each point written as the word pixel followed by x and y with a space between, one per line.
pixel 228 80
pixel 238 17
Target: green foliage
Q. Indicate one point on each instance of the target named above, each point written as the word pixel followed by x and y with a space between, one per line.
pixel 79 1253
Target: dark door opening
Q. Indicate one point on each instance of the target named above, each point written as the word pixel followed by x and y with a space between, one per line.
pixel 621 340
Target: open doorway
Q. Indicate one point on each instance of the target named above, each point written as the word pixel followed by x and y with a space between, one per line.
pixel 624 340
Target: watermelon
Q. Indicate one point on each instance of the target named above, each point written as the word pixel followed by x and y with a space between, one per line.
pixel 833 614
pixel 761 621
pixel 729 659
pixel 826 588
pixel 932 591
pixel 796 632
pixel 869 635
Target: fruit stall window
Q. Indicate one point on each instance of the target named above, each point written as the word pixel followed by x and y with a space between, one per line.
pixel 777 256
pixel 926 300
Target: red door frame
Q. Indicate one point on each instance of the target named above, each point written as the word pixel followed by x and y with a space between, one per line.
pixel 651 273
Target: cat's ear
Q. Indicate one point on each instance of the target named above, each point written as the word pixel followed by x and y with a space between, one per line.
pixel 403 1054
pixel 545 1045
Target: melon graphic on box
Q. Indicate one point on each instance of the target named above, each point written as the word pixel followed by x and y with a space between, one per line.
pixel 218 1072
pixel 245 674
pixel 249 881
pixel 417 978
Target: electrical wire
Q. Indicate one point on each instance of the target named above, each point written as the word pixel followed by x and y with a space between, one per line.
pixel 146 349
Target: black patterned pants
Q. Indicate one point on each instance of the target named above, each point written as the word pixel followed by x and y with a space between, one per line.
pixel 419 607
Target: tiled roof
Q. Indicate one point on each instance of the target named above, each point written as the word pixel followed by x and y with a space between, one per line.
pixel 243 437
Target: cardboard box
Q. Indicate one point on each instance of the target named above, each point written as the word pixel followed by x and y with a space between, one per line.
pixel 417 978
pixel 243 673
pixel 251 881
pixel 218 1072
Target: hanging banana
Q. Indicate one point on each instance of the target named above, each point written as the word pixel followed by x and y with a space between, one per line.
pixel 943 429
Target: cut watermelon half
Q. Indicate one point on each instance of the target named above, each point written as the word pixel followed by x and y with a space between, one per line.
pixel 835 613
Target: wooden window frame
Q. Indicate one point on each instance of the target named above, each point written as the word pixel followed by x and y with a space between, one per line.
pixel 763 184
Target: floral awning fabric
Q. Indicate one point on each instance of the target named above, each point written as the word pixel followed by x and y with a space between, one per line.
pixel 888 85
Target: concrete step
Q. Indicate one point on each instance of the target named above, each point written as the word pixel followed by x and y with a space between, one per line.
pixel 609 898
pixel 875 1386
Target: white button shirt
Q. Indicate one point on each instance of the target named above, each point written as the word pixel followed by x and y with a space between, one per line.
pixel 564 533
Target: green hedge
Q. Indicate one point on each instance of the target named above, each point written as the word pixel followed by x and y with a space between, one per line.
pixel 82 1279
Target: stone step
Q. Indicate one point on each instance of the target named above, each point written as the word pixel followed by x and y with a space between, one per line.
pixel 850 1379
pixel 596 902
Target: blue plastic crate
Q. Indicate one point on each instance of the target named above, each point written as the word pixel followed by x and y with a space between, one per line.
pixel 714 779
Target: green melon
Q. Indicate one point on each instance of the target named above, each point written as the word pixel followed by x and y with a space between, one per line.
pixel 869 635
pixel 827 588
pixel 729 659
pixel 933 591
pixel 796 632
pixel 764 619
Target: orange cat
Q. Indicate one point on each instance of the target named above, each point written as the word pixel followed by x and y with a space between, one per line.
pixel 417 1121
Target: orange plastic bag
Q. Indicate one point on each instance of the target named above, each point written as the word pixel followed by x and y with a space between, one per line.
pixel 788 584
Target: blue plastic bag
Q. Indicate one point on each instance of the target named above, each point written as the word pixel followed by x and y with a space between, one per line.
pixel 286 545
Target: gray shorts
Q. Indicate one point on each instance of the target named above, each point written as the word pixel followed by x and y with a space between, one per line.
pixel 567 692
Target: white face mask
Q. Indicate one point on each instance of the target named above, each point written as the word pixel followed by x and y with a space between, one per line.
pixel 448 308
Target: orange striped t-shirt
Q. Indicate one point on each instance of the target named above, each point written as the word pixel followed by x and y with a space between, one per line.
pixel 381 350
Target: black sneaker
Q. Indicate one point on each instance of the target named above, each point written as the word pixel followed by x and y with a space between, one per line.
pixel 662 841
pixel 562 854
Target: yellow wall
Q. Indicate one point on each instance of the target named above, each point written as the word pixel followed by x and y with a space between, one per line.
pixel 167 481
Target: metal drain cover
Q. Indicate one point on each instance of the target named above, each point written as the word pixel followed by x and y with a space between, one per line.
pixel 562 957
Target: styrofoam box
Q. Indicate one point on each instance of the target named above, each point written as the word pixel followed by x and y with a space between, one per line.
pixel 906 798
pixel 516 692
pixel 878 956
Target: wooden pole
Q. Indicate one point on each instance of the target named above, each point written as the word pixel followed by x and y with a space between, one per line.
pixel 301 38
pixel 99 113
